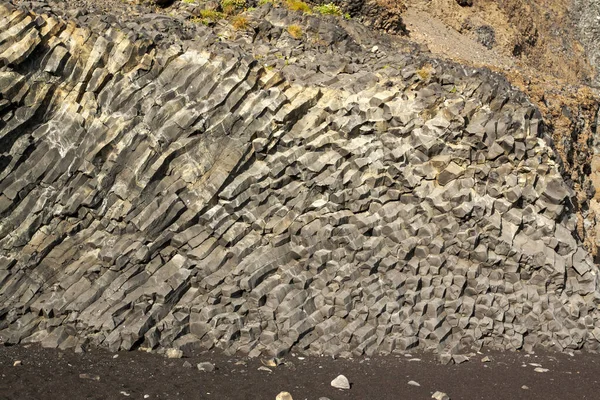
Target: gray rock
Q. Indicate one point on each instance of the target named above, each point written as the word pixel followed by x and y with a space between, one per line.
pixel 174 353
pixel 440 396
pixel 485 34
pixel 449 174
pixel 92 377
pixel 188 198
pixel 341 382
pixel 459 358
pixel 205 366
pixel 445 358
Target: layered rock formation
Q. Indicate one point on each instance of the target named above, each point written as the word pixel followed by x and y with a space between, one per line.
pixel 342 199
pixel 530 37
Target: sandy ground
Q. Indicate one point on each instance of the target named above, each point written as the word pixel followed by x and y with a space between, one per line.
pixel 446 42
pixel 52 374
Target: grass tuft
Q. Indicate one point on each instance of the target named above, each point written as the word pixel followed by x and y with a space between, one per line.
pixel 298 5
pixel 230 7
pixel 240 23
pixel 295 31
pixel 208 17
pixel 425 72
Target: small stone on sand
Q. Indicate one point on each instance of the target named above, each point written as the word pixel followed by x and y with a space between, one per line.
pixel 341 382
pixel 284 396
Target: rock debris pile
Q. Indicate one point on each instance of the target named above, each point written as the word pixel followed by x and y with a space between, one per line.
pixel 183 197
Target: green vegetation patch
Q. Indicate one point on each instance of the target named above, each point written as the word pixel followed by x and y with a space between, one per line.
pixel 207 17
pixel 329 9
pixel 231 7
pixel 239 4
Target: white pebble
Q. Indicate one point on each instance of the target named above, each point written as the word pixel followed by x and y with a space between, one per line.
pixel 341 382
pixel 284 396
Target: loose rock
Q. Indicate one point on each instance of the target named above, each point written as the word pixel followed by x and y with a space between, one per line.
pixel 272 362
pixel 205 366
pixel 92 377
pixel 284 396
pixel 341 382
pixel 440 396
pixel 174 353
pixel 459 359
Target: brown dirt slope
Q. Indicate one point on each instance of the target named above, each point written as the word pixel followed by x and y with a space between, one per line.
pixel 533 33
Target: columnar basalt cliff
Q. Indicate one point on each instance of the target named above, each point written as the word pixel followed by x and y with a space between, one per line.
pixel 340 199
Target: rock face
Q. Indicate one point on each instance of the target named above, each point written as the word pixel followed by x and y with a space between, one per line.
pixel 189 197
pixel 586 15
pixel 378 14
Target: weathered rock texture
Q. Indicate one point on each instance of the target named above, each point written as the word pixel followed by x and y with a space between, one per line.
pixel 586 14
pixel 529 37
pixel 350 202
pixel 384 15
